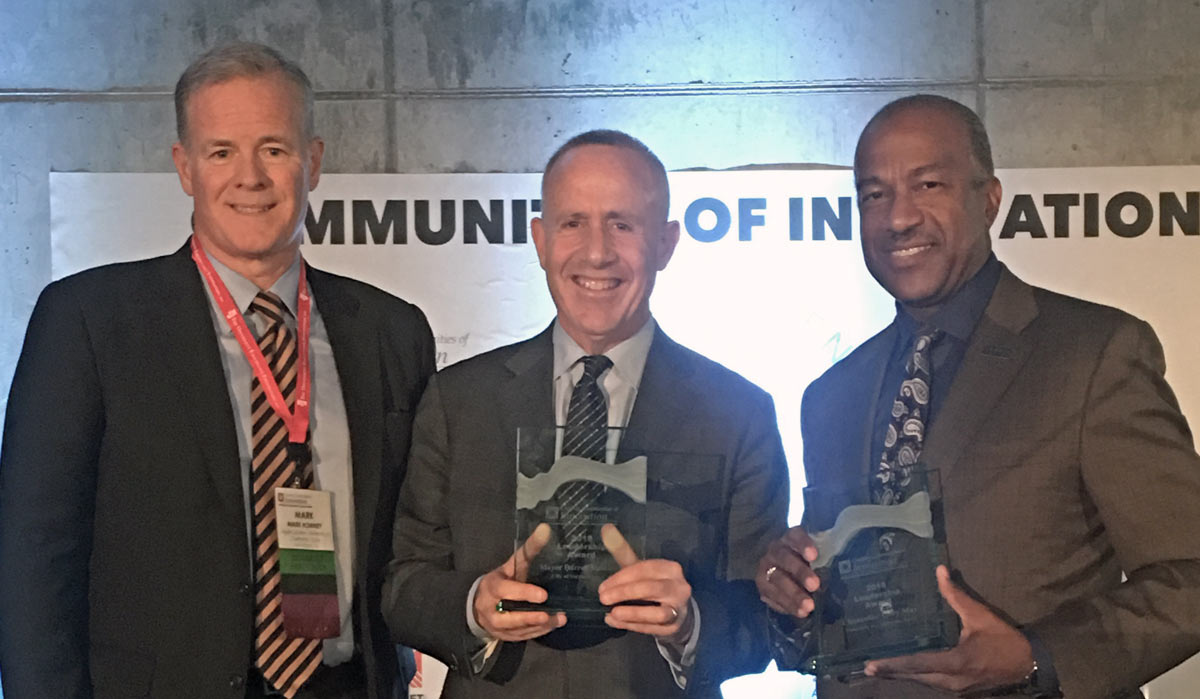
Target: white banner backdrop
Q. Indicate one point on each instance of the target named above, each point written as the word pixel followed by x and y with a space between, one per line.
pixel 768 277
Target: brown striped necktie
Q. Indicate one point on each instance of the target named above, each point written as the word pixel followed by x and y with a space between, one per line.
pixel 285 662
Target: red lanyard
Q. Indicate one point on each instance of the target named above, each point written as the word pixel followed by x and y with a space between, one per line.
pixel 297 423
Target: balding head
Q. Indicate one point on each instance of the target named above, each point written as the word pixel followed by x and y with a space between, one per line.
pixel 619 139
pixel 975 133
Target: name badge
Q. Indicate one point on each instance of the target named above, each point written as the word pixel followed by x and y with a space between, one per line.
pixel 307 563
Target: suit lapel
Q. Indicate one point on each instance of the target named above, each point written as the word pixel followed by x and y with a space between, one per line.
pixel 356 356
pixel 527 401
pixel 664 398
pixel 994 357
pixel 181 324
pixel 869 459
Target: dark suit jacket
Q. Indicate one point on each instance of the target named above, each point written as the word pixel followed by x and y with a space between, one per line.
pixel 455 520
pixel 1064 461
pixel 124 557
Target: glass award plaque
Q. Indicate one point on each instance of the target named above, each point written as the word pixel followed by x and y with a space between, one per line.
pixel 878 596
pixel 576 497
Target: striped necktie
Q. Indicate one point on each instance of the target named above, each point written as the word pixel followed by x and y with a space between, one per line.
pixel 585 435
pixel 285 662
pixel 905 435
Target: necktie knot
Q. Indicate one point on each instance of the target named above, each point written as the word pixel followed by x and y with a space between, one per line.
pixel 918 362
pixel 594 365
pixel 270 306
pixel 927 337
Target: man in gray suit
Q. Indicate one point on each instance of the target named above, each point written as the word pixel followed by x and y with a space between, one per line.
pixel 1063 457
pixel 603 237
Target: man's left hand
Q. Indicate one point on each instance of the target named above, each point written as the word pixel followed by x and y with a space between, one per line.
pixel 990 652
pixel 655 580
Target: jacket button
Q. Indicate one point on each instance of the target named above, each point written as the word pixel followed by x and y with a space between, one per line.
pixel 244 589
pixel 237 682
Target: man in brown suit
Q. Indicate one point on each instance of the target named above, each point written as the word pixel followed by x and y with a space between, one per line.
pixel 1063 457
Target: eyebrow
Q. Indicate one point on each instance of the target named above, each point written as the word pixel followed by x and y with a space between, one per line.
pixel 934 166
pixel 226 143
pixel 606 216
pixel 915 172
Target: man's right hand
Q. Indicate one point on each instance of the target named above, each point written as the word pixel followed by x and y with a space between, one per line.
pixel 785 579
pixel 505 582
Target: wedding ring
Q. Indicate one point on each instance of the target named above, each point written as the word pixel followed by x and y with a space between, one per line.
pixel 674 615
pixel 770 572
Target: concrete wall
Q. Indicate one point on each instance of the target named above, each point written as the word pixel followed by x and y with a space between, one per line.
pixel 495 85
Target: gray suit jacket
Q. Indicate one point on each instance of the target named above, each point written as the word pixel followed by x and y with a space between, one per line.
pixel 455 519
pixel 1065 461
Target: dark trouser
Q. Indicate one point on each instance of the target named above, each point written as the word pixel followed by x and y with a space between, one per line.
pixel 345 681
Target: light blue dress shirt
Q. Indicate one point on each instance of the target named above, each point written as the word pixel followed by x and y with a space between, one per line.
pixel 328 427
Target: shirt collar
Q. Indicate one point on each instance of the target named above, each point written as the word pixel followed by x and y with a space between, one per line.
pixel 628 356
pixel 243 291
pixel 961 313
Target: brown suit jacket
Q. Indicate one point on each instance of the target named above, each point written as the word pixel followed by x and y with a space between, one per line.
pixel 1065 462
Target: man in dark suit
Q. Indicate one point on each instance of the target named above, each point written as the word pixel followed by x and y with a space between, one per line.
pixel 1063 458
pixel 143 445
pixel 602 238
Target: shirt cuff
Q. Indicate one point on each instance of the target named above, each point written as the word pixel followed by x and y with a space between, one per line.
pixel 681 661
pixel 476 630
pixel 479 658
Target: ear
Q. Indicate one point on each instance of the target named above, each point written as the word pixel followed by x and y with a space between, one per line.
pixel 994 193
pixel 667 241
pixel 539 240
pixel 179 154
pixel 316 153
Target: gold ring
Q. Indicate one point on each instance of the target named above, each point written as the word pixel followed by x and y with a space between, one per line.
pixel 674 614
pixel 770 572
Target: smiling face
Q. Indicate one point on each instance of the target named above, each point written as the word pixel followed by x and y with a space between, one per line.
pixel 602 239
pixel 249 166
pixel 926 206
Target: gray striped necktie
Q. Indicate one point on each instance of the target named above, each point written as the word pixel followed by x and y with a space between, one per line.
pixel 585 435
pixel 284 661
pixel 587 414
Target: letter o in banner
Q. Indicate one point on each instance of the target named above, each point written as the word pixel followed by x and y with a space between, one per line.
pixel 1116 206
pixel 691 219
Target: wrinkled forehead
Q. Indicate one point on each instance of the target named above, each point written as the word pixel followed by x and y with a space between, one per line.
pixel 607 163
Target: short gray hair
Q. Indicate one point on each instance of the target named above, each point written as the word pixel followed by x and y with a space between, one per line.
pixel 981 147
pixel 241 59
